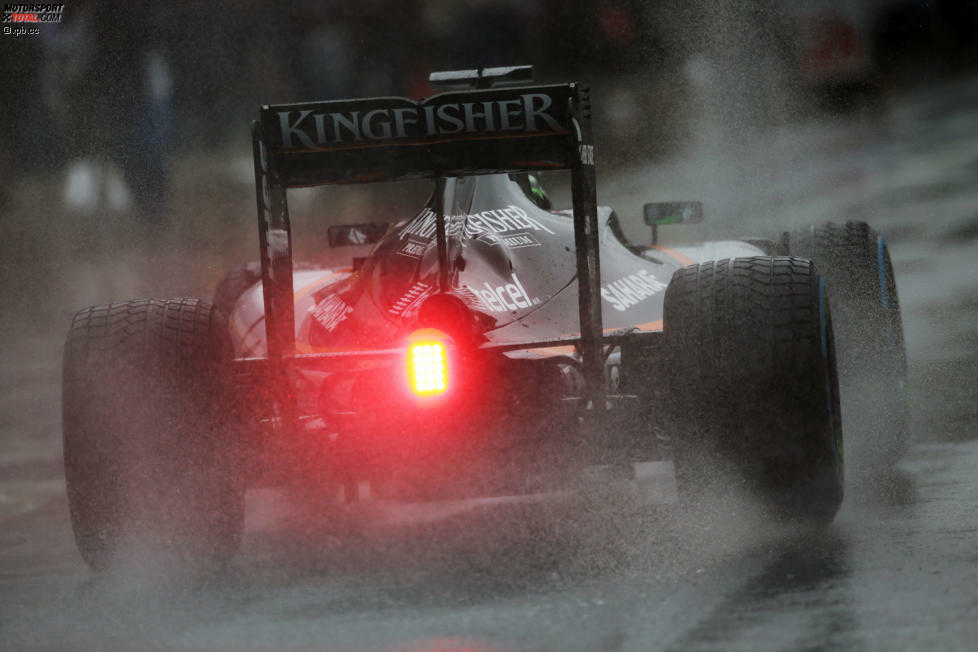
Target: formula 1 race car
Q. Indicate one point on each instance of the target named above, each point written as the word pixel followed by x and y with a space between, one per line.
pixel 488 346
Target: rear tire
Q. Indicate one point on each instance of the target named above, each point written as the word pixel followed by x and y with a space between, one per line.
pixel 150 462
pixel 754 399
pixel 872 355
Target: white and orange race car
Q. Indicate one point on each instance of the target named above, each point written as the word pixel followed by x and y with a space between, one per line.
pixel 490 345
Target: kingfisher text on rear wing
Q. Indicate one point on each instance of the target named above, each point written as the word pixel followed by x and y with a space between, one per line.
pixel 385 138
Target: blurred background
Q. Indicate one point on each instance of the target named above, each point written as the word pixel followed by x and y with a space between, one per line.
pixel 126 159
pixel 151 85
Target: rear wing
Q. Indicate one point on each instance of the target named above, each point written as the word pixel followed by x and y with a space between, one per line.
pixel 526 128
pixel 392 138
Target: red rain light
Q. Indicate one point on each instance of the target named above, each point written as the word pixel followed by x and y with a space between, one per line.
pixel 427 362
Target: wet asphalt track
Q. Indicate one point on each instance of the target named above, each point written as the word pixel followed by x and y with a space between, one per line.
pixel 622 567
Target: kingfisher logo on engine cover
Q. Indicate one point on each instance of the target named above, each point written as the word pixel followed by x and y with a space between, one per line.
pixel 496 222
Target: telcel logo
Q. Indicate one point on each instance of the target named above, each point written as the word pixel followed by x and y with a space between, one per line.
pixel 505 298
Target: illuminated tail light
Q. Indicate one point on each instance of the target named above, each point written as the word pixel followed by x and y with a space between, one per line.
pixel 427 363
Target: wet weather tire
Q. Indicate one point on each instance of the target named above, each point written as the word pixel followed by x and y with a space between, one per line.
pixel 148 451
pixel 856 265
pixel 754 401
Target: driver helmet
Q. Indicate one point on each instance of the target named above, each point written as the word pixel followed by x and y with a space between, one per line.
pixel 534 190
